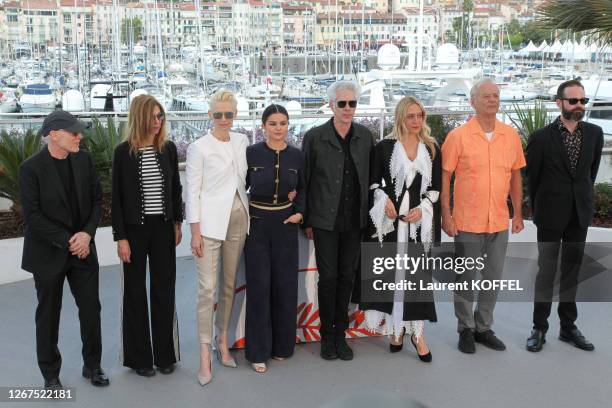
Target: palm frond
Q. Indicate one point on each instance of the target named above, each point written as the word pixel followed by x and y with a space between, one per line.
pixel 529 119
pixel 591 17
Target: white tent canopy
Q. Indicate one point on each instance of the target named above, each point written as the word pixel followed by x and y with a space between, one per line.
pixel 528 49
pixel 543 46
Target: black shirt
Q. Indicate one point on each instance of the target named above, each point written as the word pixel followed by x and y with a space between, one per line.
pixel 66 175
pixel 348 210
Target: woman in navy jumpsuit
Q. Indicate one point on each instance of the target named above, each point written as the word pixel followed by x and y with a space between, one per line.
pixel 277 202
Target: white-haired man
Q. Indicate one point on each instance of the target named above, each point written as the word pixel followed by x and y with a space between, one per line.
pixel 486 157
pixel 337 156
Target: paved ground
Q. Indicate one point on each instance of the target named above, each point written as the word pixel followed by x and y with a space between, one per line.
pixel 559 376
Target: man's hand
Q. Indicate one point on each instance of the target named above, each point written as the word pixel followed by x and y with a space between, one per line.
pixel 517 224
pixel 78 244
pixel 308 232
pixel 448 225
pixel 123 250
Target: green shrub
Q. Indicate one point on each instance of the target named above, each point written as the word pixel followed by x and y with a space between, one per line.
pixel 14 149
pixel 101 141
pixel 603 201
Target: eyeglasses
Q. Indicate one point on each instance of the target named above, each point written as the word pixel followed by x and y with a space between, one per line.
pixel 160 117
pixel 413 116
pixel 219 115
pixel 342 104
pixel 574 101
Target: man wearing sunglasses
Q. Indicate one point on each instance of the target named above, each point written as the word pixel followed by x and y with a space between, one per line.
pixel 337 156
pixel 61 197
pixel 562 163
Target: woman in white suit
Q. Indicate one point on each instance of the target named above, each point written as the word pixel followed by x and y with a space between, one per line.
pixel 217 211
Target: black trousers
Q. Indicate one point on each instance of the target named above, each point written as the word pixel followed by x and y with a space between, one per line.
pixel 271 260
pixel 338 255
pixel 571 242
pixel 155 240
pixel 83 281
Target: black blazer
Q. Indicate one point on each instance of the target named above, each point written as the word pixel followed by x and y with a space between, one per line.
pixel 324 166
pixel 552 189
pixel 127 195
pixel 46 210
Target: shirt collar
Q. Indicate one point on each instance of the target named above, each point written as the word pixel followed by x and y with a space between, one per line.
pixel 562 127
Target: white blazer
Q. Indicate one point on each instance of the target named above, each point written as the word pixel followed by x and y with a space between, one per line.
pixel 212 177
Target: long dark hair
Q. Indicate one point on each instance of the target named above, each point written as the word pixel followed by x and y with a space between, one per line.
pixel 271 110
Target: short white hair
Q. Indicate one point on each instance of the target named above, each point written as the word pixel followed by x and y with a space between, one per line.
pixel 333 89
pixel 479 84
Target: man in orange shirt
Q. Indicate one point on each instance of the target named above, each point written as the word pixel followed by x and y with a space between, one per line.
pixel 486 157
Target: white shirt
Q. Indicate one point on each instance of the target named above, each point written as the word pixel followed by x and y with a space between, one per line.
pixel 215 171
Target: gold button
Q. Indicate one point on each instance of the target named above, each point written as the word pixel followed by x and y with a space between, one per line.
pixel 275 195
pixel 276 166
pixel 276 180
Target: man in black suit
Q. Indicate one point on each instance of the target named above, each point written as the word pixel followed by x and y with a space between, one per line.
pixel 562 163
pixel 337 160
pixel 60 197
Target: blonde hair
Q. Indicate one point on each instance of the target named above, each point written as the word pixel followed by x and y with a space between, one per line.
pixel 222 95
pixel 139 123
pixel 399 129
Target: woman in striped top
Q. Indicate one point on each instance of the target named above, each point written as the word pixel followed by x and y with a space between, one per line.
pixel 147 214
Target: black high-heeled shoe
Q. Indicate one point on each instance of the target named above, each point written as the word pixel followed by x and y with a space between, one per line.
pixel 426 358
pixel 394 348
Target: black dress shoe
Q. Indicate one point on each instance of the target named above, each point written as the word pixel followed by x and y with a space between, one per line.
pixel 328 350
pixel 53 384
pixel 466 342
pixel 576 338
pixel 96 375
pixel 490 340
pixel 426 358
pixel 343 350
pixel 536 341
pixel 145 372
pixel 167 370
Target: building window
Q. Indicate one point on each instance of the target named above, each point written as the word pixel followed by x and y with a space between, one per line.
pixel 67 18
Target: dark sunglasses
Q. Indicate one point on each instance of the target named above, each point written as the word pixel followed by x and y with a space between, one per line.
pixel 159 116
pixel 574 101
pixel 219 115
pixel 342 104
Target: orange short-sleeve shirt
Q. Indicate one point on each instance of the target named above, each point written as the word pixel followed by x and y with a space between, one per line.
pixel 482 174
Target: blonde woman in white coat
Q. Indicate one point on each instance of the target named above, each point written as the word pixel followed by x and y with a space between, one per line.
pixel 217 212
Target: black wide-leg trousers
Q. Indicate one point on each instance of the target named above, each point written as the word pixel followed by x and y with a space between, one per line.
pixel 271 260
pixel 154 240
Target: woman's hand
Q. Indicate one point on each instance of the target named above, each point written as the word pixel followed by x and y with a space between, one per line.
pixel 294 219
pixel 413 215
pixel 123 250
pixel 178 234
pixel 196 245
pixel 390 209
